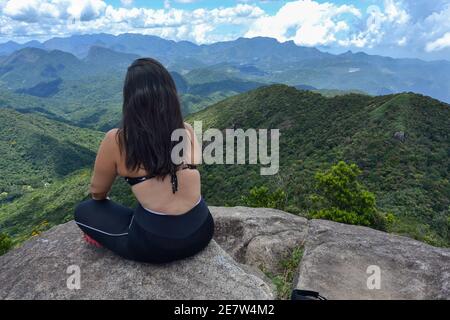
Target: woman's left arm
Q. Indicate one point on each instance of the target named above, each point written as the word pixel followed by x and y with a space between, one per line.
pixel 105 168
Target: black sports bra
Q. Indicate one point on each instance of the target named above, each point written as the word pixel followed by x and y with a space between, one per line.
pixel 174 180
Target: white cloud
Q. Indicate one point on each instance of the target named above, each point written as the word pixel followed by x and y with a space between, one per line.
pixel 305 21
pixel 26 10
pixel 185 1
pixel 439 44
pixel 394 12
pixel 394 26
pixel 402 25
pixel 383 25
pixel 41 11
pixel 167 4
pixel 48 18
pixel 126 3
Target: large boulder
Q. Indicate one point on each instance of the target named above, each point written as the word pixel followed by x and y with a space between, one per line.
pixel 258 237
pixel 342 262
pixel 43 266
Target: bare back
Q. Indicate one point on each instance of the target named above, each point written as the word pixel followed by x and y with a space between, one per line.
pixel 153 194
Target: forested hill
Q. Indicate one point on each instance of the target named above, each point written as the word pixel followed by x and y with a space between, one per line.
pixel 37 151
pixel 401 142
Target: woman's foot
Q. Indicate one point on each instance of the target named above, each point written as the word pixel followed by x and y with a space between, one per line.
pixel 91 241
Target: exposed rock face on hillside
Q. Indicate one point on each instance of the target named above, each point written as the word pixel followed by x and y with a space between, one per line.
pixel 335 263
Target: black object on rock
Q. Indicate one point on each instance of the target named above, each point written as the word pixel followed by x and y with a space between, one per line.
pixel 306 295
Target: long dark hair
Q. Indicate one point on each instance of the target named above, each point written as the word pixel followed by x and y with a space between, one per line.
pixel 151 112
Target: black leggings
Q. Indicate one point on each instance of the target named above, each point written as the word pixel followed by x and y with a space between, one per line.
pixel 145 236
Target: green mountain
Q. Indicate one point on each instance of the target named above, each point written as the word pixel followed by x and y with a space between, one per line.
pixel 108 60
pixel 41 208
pixel 88 92
pixel 401 142
pixel 262 59
pixel 37 151
pixel 39 66
pixel 45 168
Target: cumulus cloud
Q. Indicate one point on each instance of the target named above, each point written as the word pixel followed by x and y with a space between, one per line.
pixel 408 25
pixel 439 44
pixel 22 18
pixel 305 21
pixel 383 25
pixel 394 25
pixel 41 11
pixel 126 3
pixel 310 23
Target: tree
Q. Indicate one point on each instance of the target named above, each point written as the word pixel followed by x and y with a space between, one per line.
pixel 5 243
pixel 441 223
pixel 262 197
pixel 342 198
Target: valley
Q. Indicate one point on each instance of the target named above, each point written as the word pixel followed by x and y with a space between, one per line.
pixel 386 115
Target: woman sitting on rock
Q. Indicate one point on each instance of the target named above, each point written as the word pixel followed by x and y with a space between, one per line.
pixel 171 220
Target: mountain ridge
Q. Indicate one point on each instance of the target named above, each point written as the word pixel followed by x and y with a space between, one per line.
pixel 410 176
pixel 96 37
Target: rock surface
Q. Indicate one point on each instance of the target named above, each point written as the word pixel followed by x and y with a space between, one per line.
pixel 400 136
pixel 39 270
pixel 335 263
pixel 337 257
pixel 258 237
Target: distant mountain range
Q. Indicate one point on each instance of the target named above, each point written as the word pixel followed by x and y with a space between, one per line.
pixel 88 91
pixel 260 60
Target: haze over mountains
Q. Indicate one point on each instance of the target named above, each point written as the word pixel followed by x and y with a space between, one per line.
pixel 260 60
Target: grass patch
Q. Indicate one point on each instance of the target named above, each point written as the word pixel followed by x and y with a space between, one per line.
pixel 283 280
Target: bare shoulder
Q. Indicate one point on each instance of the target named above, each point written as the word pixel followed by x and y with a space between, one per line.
pixel 112 132
pixel 188 126
pixel 112 135
pixel 111 139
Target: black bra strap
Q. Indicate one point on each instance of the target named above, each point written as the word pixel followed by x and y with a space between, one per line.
pixel 132 181
pixel 174 178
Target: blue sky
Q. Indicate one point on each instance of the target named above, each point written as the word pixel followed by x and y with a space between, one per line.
pixel 399 28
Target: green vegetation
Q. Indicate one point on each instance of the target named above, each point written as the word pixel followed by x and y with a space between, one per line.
pixel 410 178
pixel 88 92
pixel 5 243
pixel 284 279
pixel 261 197
pixel 37 151
pixel 46 207
pixel 341 198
